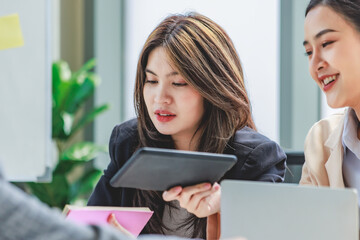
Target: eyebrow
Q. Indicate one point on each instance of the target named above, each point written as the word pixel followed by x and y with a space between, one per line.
pixel 319 34
pixel 167 75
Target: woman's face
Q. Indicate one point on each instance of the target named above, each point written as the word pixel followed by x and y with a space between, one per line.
pixel 175 108
pixel 333 48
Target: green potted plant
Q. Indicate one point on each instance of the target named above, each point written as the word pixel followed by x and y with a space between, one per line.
pixel 74 175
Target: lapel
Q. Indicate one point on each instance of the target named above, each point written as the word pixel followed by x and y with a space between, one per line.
pixel 334 163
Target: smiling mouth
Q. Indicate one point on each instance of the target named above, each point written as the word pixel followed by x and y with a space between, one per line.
pixel 329 80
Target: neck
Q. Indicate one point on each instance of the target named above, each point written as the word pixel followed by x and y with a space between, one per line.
pixel 184 146
pixel 187 143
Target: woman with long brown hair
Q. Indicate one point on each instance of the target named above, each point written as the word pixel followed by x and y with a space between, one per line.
pixel 189 95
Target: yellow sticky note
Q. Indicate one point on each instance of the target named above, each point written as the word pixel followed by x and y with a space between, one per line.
pixel 10 32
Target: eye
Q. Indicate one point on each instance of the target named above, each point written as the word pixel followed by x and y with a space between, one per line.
pixel 326 43
pixel 180 84
pixel 150 81
pixel 308 53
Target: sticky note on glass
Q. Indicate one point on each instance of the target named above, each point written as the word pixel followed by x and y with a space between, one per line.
pixel 10 32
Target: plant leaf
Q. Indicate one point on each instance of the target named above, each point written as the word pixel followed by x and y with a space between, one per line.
pixel 57 125
pixel 89 117
pixel 54 194
pixel 61 82
pixel 86 67
pixel 70 91
pixel 68 120
pixel 64 167
pixel 61 75
pixel 83 151
pixel 82 90
pixel 85 184
pixel 84 83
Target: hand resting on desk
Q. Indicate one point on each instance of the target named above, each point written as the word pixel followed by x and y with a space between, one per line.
pixel 202 199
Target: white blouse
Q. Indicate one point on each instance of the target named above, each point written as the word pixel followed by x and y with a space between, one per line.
pixel 351 143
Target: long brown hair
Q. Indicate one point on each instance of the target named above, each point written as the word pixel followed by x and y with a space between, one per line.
pixel 205 56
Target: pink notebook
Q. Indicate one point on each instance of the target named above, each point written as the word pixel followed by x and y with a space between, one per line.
pixel 133 219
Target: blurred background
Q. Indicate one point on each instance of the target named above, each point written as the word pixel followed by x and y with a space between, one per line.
pixel 93 48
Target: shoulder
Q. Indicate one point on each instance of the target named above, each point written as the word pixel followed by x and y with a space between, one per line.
pixel 124 131
pixel 259 158
pixel 248 142
pixel 127 128
pixel 323 138
pixel 323 128
pixel 124 140
pixel 247 138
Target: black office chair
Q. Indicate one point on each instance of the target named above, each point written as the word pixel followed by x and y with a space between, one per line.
pixel 295 161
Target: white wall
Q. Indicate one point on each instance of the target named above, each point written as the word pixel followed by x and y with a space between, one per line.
pixel 304 107
pixel 25 95
pixel 252 25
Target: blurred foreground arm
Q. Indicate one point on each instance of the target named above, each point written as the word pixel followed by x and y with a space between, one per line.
pixel 25 217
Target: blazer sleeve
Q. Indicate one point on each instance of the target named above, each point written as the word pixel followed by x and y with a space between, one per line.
pixel 316 154
pixel 264 161
pixel 120 148
pixel 306 176
pixel 267 162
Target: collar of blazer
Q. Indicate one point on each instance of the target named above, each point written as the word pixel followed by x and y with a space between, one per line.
pixel 334 163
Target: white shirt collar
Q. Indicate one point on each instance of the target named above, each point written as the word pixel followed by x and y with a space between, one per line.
pixel 349 137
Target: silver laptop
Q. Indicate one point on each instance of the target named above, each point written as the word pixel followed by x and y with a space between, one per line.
pixel 268 211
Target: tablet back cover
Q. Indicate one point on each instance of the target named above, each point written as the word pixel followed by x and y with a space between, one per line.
pixel 160 169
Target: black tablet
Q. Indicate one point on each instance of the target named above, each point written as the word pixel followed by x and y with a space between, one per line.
pixel 159 169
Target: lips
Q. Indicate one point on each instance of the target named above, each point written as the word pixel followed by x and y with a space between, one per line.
pixel 164 116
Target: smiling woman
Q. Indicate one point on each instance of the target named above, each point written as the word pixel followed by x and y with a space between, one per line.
pixel 332 43
pixel 328 37
pixel 189 95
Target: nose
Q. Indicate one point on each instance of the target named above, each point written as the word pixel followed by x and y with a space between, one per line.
pixel 317 63
pixel 162 95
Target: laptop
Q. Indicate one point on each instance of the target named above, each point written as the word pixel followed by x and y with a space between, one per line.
pixel 273 211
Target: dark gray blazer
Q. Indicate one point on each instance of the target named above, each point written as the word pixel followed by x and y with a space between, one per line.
pixel 259 159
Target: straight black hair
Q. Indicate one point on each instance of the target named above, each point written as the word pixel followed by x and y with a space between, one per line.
pixel 349 9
